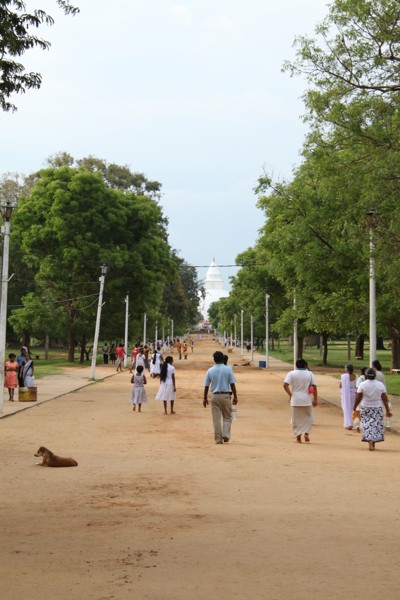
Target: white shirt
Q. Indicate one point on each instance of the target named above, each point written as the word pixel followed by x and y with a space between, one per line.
pixel 300 379
pixel 372 391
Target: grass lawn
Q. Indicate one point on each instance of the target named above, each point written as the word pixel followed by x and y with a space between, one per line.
pixel 337 359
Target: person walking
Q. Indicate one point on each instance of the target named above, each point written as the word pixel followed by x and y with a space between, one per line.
pixel 11 379
pixel 370 395
pixel 348 383
pixel 105 350
pixel 120 357
pixel 380 376
pixel 138 396
pixel 167 390
pixel 146 352
pixel 221 382
pixel 113 354
pixel 156 362
pixel 362 376
pixel 296 385
pixel 139 360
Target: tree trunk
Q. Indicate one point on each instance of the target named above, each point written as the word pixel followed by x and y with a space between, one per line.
pixel 325 347
pixel 46 346
pixel 26 339
pixel 395 352
pixel 71 345
pixel 379 344
pixel 83 345
pixel 360 346
pixel 300 346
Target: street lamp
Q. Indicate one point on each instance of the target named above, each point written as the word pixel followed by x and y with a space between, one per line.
pixel 126 329
pixel 371 217
pixel 266 327
pixel 104 269
pixel 241 332
pixel 252 337
pixel 144 328
pixel 6 209
pixel 295 333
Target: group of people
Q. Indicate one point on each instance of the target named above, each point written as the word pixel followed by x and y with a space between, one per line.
pixel 362 397
pixel 18 372
pixel 167 389
pixel 220 381
pixel 367 392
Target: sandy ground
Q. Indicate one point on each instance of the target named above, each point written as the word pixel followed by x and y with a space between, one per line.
pixel 155 510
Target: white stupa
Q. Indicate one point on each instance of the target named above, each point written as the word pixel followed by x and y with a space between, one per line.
pixel 214 288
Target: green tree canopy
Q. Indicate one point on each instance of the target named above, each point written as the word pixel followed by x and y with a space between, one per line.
pixel 15 39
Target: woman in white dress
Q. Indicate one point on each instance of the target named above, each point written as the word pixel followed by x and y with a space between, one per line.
pixel 156 362
pixel 348 392
pixel 138 396
pixel 372 394
pixel 167 391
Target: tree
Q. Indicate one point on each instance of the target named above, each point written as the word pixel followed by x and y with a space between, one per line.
pixel 353 106
pixel 69 223
pixel 15 40
pixel 358 50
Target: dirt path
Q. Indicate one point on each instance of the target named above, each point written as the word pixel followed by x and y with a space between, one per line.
pixel 155 510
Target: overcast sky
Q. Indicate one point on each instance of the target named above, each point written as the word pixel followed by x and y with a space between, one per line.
pixel 190 93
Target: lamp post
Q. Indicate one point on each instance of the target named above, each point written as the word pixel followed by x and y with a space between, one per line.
pixel 126 329
pixel 172 332
pixel 295 337
pixel 371 214
pixel 241 332
pixel 144 328
pixel 6 209
pixel 266 327
pixel 104 269
pixel 252 337
pixel 234 331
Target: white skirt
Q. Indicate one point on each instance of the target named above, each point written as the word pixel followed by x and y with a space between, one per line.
pixel 166 392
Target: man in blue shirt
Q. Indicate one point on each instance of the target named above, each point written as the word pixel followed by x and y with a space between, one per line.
pixel 220 380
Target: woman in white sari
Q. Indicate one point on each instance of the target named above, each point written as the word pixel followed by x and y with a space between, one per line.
pixel 348 393
pixel 27 373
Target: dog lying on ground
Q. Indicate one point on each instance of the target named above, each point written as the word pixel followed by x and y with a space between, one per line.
pixel 51 460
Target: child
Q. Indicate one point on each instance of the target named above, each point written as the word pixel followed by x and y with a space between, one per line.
pixel 138 395
pixel 167 386
pixel 11 381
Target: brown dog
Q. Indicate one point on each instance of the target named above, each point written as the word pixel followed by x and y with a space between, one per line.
pixel 51 460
